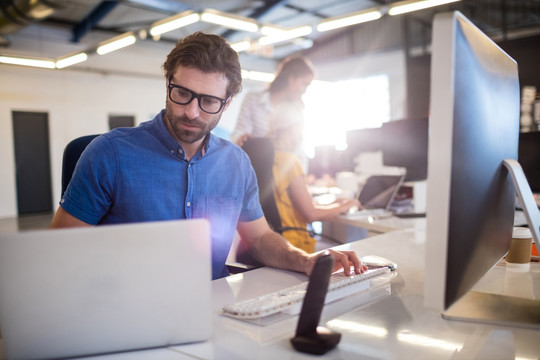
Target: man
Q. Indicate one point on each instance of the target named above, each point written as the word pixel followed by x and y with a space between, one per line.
pixel 172 167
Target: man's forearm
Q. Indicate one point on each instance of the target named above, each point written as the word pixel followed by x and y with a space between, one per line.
pixel 273 250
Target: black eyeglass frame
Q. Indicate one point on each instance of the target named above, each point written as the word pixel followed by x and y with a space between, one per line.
pixel 194 95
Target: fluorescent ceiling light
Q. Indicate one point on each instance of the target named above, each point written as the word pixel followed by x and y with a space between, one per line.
pixel 408 6
pixel 303 43
pixel 241 46
pixel 269 30
pixel 48 64
pixel 174 22
pixel 229 21
pixel 286 35
pixel 71 60
pixel 349 20
pixel 39 10
pixel 116 43
pixel 258 76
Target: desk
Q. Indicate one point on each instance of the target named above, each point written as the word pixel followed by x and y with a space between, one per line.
pixel 151 354
pixel 381 225
pixel 397 326
pixel 340 227
pixel 348 228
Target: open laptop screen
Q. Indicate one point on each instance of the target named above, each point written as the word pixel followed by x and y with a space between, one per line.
pixel 379 191
pixel 86 291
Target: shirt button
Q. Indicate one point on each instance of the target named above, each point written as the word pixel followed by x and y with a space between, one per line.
pixel 188 204
pixel 180 151
pixel 172 151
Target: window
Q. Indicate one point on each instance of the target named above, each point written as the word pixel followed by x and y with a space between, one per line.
pixel 334 108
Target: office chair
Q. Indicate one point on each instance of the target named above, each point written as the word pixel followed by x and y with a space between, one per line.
pixel 529 158
pixel 261 154
pixel 72 152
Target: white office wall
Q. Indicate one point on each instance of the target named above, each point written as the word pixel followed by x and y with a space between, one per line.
pixel 77 104
pixel 80 103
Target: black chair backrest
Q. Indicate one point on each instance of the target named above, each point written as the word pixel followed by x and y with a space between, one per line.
pixel 72 152
pixel 529 157
pixel 261 153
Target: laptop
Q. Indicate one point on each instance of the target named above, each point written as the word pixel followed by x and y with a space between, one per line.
pixel 378 193
pixel 88 291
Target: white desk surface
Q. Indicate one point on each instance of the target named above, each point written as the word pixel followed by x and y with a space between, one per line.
pixel 383 225
pixel 396 326
pixel 380 224
pixel 150 354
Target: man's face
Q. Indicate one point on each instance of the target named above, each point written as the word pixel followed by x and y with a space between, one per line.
pixel 188 123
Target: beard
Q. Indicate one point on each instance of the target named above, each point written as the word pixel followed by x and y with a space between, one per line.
pixel 189 136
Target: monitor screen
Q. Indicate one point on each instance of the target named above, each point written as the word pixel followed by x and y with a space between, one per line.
pixel 474 126
pixel 405 144
pixel 329 161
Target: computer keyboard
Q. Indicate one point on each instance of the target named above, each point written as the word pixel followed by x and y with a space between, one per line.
pixel 289 300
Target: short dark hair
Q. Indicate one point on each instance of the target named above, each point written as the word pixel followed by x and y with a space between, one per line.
pixel 208 53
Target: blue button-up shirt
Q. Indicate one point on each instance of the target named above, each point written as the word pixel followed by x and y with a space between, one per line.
pixel 141 174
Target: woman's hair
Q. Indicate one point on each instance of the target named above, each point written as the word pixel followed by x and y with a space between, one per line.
pixel 295 66
pixel 208 53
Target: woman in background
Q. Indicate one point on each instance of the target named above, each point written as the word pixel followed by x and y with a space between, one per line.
pixel 293 76
pixel 294 202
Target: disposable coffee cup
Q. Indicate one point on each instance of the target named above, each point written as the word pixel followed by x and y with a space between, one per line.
pixel 519 253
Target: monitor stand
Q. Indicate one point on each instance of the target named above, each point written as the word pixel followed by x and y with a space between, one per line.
pixel 497 309
pixel 525 195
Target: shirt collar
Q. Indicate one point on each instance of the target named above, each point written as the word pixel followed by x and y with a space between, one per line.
pixel 170 141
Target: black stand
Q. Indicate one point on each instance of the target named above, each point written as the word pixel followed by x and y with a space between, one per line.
pixel 311 338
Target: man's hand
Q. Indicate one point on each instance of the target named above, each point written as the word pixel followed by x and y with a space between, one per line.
pixel 342 259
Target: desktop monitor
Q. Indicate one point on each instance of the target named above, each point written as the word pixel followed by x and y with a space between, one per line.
pixel 364 140
pixel 329 161
pixel 405 144
pixel 474 127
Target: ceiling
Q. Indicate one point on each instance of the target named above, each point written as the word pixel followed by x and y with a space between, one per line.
pixel 79 25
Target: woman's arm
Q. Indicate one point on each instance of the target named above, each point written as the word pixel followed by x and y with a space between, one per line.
pixel 303 202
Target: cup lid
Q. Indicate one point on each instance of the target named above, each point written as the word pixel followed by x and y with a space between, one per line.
pixel 521 233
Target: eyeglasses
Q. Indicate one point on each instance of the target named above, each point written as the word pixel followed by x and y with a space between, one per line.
pixel 183 96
